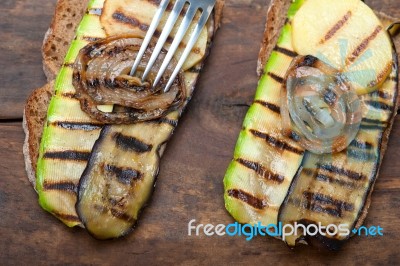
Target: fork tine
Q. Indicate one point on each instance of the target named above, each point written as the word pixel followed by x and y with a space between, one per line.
pixel 191 12
pixel 164 35
pixel 153 26
pixel 192 41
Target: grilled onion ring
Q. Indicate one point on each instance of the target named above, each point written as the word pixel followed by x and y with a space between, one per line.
pixel 101 77
pixel 319 107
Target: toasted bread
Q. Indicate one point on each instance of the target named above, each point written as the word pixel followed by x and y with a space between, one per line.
pixel 34 117
pixel 58 37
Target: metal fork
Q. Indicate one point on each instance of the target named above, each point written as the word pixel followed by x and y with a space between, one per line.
pixel 204 6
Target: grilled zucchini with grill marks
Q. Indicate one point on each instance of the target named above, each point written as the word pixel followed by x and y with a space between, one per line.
pixel 265 161
pixel 273 179
pixel 69 134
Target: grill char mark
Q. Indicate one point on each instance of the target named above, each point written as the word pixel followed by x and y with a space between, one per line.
pixel 70 95
pixel 131 144
pixel 364 44
pixel 124 175
pixel 372 127
pixel 381 75
pixel 121 17
pixel 164 120
pixel 78 126
pixel 64 186
pixel 335 170
pixel 274 108
pixel 261 170
pixel 336 27
pixel 373 121
pixel 66 217
pixel 317 202
pixel 69 65
pixel 247 198
pixel 115 212
pixel 285 51
pixel 361 145
pixel 381 94
pixel 68 155
pixel 122 215
pixel 379 105
pixel 91 39
pixel 328 179
pixel 276 142
pixel 276 77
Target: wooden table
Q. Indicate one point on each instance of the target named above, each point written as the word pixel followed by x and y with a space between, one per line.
pixel 190 183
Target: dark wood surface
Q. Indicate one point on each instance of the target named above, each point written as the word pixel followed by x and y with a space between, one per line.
pixel 190 182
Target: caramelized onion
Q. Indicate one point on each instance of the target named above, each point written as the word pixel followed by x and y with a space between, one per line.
pixel 101 77
pixel 319 107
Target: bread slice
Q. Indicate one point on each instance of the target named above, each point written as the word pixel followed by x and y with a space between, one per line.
pixel 34 117
pixel 276 18
pixel 67 16
pixel 58 37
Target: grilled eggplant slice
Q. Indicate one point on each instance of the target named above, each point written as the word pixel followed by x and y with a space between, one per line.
pixel 331 189
pixel 119 177
pixel 272 179
pixel 70 134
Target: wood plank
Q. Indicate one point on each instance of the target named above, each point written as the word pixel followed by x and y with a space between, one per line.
pixel 190 181
pixel 23 25
pixel 189 187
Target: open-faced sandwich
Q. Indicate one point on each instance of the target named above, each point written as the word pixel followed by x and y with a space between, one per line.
pixel 95 134
pixel 314 138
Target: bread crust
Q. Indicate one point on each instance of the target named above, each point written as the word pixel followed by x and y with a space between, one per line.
pixel 34 117
pixel 387 20
pixel 276 17
pixel 58 37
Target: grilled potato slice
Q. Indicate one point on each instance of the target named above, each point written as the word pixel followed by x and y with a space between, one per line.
pixel 348 36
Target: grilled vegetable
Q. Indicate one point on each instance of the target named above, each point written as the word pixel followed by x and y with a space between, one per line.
pixel 120 175
pixel 271 173
pixel 69 134
pixel 265 161
pixel 332 189
pixel 133 17
pixel 348 36
pixel 324 108
pixel 101 77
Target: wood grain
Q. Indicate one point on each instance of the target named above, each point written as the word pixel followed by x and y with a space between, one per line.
pixel 190 182
pixel 22 27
